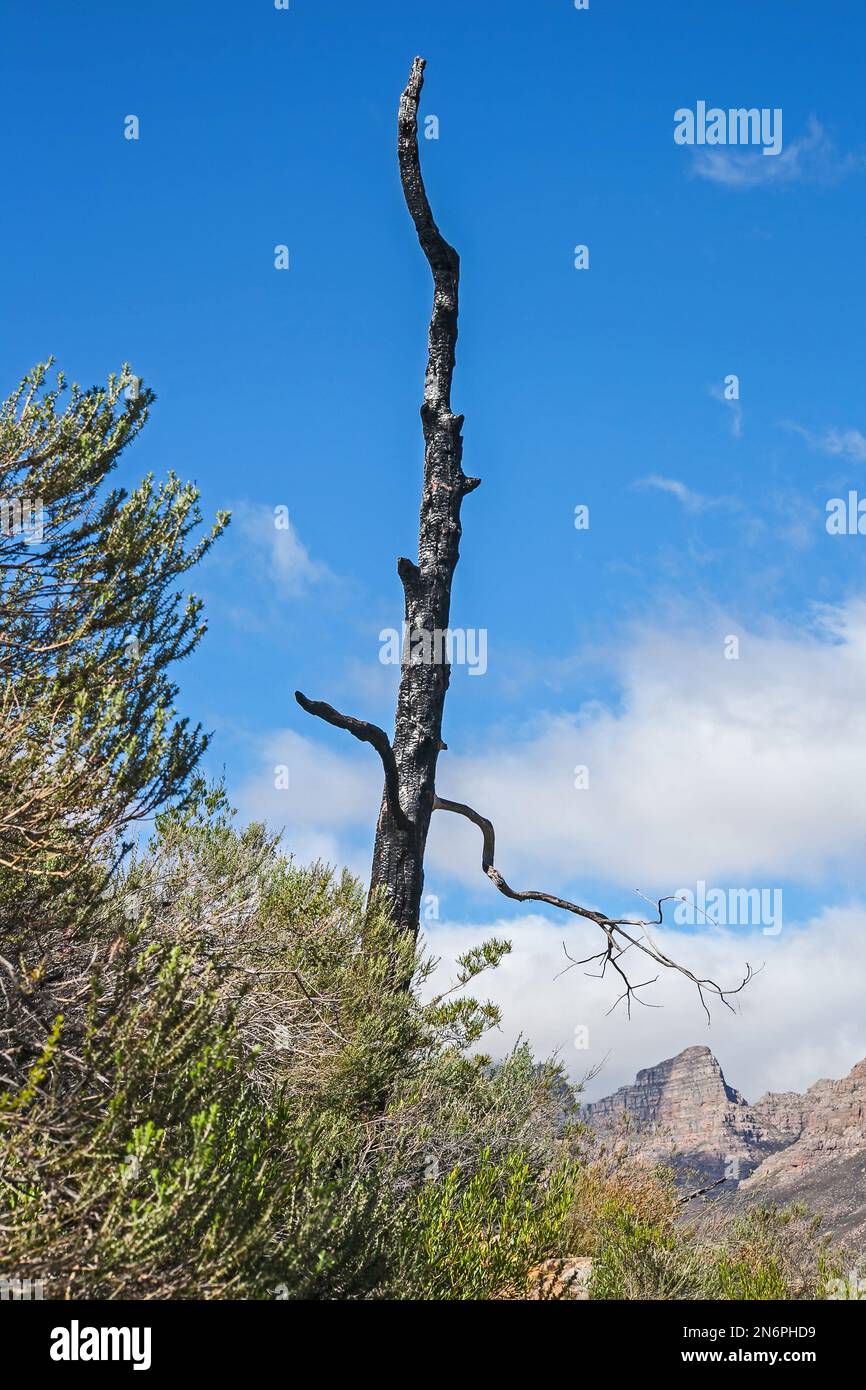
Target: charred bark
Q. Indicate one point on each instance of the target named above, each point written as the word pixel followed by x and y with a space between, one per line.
pixel 398 855
pixel 410 765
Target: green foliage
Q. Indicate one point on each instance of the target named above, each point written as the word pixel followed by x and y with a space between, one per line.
pixel 763 1253
pixel 739 1279
pixel 776 1253
pixel 478 1236
pixel 245 1100
pixel 91 620
pixel 242 1099
pixel 170 1177
pixel 638 1258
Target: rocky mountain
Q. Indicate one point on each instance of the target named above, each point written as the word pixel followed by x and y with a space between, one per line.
pixel 786 1147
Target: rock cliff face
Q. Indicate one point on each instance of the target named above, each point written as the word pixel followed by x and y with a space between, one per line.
pixel 825 1165
pixel 683 1112
pixel 783 1148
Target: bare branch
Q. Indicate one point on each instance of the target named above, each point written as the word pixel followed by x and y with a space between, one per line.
pixel 614 928
pixel 690 1196
pixel 367 733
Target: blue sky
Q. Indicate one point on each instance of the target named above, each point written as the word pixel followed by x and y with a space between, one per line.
pixel 601 387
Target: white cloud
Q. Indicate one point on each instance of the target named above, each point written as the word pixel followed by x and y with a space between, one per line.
pixel 813 158
pixel 800 1019
pixel 847 444
pixel 746 770
pixel 288 561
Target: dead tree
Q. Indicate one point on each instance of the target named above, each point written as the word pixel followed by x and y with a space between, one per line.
pixel 409 761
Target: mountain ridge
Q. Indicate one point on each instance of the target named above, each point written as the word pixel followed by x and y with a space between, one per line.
pixel 682 1112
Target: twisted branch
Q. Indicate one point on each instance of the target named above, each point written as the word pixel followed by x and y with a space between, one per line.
pixel 366 733
pixel 614 928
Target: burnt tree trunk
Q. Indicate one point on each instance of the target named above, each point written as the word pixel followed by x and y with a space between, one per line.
pixel 398 856
pixel 410 761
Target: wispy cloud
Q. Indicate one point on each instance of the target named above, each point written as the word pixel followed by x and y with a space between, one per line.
pixel 325 799
pixel 275 538
pixel 692 501
pixel 733 405
pixel 845 444
pixel 737 772
pixel 813 158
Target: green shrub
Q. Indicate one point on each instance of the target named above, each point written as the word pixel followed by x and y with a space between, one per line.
pixel 764 1253
pixel 227 1091
pixel 157 1171
pixel 479 1235
pixel 775 1253
pixel 640 1259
